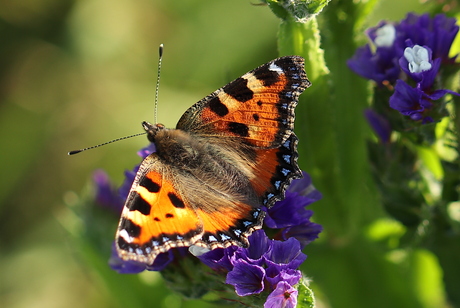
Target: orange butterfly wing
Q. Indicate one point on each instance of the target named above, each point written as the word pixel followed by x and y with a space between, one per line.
pixel 155 218
pixel 257 107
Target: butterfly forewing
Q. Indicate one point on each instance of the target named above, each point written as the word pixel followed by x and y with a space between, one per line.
pixel 155 217
pixel 257 107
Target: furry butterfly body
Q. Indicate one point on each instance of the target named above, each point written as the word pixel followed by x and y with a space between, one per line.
pixel 230 154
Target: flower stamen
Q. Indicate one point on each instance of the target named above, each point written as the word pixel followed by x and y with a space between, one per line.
pixel 418 58
pixel 385 36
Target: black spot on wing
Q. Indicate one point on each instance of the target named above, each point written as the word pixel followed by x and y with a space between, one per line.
pixel 169 215
pixel 267 76
pixel 239 129
pixel 123 244
pixel 176 201
pixel 150 185
pixel 130 227
pixel 256 117
pixel 140 205
pixel 217 107
pixel 239 90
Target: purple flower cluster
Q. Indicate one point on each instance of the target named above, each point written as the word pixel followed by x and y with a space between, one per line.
pixel 408 56
pixel 266 266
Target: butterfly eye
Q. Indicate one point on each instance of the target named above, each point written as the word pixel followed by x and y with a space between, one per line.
pixel 152 130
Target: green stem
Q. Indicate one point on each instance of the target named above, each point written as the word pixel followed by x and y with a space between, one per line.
pixel 446 240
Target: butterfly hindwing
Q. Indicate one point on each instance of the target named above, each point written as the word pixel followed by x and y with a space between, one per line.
pixel 274 170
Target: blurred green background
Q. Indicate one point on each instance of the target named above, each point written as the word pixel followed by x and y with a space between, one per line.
pixel 78 73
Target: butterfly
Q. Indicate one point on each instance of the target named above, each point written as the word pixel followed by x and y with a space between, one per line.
pixel 231 154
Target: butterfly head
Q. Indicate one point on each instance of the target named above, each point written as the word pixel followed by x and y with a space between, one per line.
pixel 152 130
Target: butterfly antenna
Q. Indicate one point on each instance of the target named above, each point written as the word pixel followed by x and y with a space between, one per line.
pixel 160 58
pixel 99 145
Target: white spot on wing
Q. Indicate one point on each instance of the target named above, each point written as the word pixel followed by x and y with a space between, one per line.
pixel 275 68
pixel 225 237
pixel 125 235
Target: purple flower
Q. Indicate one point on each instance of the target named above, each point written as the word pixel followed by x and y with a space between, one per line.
pixel 409 101
pixel 407 53
pixel 247 278
pixel 305 233
pixel 219 259
pixel 379 66
pixel 379 60
pixel 284 255
pixel 379 124
pixel 259 244
pixel 284 296
pixel 418 64
pixel 291 276
pixel 414 102
pixel 438 33
pixel 144 152
pixel 290 214
pixel 265 265
pixel 106 194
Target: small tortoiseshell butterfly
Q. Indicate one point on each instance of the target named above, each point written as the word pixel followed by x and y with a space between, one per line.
pixel 231 153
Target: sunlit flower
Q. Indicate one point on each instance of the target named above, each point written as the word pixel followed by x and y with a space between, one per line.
pixel 263 266
pixel 407 57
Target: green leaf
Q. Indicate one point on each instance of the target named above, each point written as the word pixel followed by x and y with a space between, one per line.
pixel 431 160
